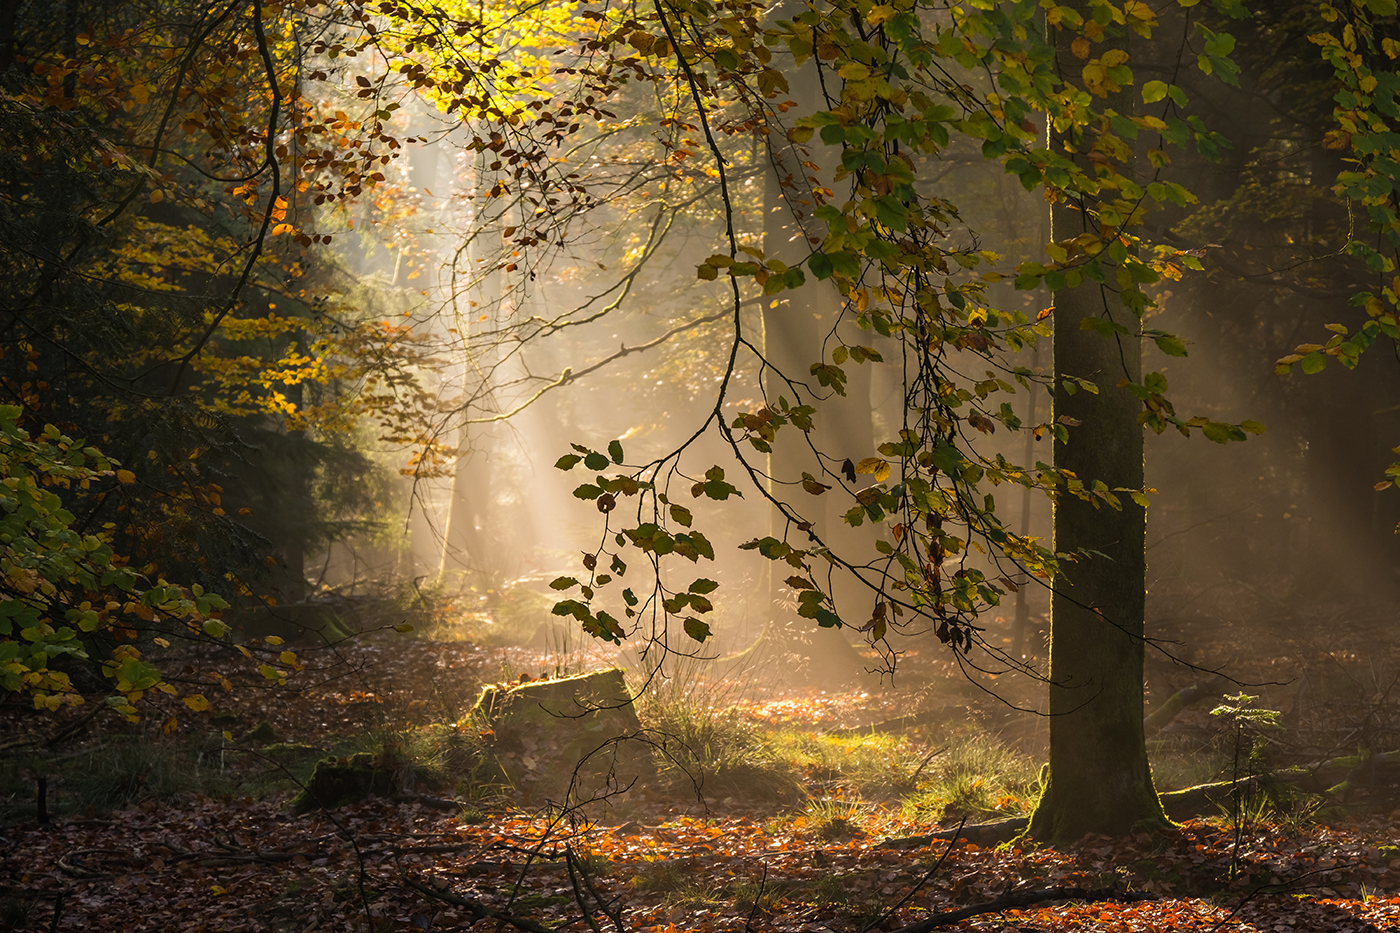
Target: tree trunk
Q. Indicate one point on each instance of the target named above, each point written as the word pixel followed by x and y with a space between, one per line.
pixel 1099 780
pixel 795 328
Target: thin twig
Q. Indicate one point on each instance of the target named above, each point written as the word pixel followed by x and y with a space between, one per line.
pixel 479 910
pixel 922 881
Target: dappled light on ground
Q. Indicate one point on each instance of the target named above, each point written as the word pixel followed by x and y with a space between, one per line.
pixel 769 811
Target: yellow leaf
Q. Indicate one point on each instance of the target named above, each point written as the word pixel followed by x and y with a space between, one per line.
pixel 288 657
pixel 876 467
pixel 197 702
pixel 273 639
pixel 880 14
pixel 126 477
pixel 169 725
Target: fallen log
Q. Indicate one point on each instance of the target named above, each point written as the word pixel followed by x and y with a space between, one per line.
pixel 1177 703
pixel 1193 801
pixel 1178 804
pixel 1016 899
pixel 980 834
pixel 1338 777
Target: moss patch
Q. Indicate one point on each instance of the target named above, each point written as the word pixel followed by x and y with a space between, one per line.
pixel 338 781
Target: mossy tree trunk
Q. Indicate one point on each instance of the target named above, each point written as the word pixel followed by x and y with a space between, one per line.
pixel 1099 779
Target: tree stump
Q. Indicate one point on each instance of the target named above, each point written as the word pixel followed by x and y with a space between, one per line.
pixel 566 740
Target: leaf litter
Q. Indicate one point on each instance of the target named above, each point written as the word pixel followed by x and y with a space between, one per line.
pixel 645 862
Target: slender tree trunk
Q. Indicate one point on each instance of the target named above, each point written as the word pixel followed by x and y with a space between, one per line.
pixel 794 329
pixel 296 508
pixel 1099 779
pixel 1020 628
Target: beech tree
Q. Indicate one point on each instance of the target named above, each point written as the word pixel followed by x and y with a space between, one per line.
pixel 1099 778
pixel 904 268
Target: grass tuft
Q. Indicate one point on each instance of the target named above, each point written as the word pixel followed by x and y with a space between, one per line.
pixel 717 754
pixel 979 779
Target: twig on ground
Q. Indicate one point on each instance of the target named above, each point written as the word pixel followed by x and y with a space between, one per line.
pixel 479 910
pixel 922 881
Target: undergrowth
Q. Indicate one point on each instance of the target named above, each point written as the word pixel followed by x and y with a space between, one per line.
pixel 980 778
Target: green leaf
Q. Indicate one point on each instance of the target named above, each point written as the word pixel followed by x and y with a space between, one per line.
pixel 570 607
pixel 1253 427
pixel 595 461
pixel 1154 91
pixel 1314 363
pixel 1217 431
pixel 615 451
pixel 696 629
pixel 563 583
pixel 567 462
pixel 1171 345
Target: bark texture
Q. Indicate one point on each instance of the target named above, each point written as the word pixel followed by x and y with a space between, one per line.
pixel 1099 780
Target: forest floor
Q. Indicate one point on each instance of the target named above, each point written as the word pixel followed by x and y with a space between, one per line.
pixel 216 846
